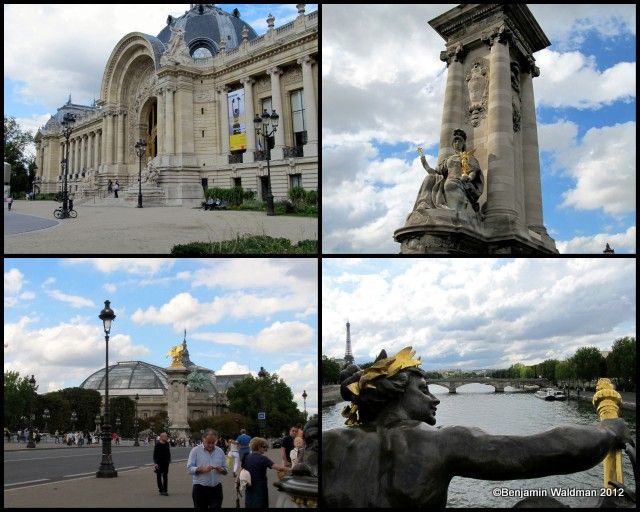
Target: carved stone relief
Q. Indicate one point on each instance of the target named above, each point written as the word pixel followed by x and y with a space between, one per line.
pixel 478 86
pixel 516 100
pixel 264 84
pixel 292 76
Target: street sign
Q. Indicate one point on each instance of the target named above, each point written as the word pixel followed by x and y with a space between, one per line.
pixel 262 415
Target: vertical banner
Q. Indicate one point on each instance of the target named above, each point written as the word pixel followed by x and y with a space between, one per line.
pixel 237 128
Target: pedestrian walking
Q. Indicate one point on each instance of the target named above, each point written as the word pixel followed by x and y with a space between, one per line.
pixel 235 456
pixel 257 463
pixel 110 187
pixel 116 187
pixel 206 463
pixel 243 441
pixel 9 202
pixel 161 460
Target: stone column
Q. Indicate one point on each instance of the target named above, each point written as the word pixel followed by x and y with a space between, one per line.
pixel 96 149
pixel 161 121
pixel 276 104
pixel 530 154
pixel 120 137
pixel 310 110
pixel 103 138
pixel 76 156
pixel 224 123
pixel 500 173
pixel 83 153
pixel 249 113
pixel 169 142
pixel 184 120
pixel 177 409
pixel 452 115
pixel 109 139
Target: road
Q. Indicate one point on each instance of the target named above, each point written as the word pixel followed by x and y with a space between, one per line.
pixel 52 465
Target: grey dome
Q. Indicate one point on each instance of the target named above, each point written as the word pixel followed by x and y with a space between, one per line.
pixel 130 375
pixel 205 29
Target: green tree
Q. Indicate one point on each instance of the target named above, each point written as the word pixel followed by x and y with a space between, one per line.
pixel 267 393
pixel 589 363
pixel 18 396
pixel 124 408
pixel 59 412
pixel 86 404
pixel 565 371
pixel 16 141
pixel 547 369
pixel 621 362
pixel 227 424
pixel 330 371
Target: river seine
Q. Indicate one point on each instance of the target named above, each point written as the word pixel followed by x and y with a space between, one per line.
pixel 512 414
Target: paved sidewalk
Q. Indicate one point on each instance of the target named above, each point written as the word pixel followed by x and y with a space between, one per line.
pixel 135 488
pixel 126 230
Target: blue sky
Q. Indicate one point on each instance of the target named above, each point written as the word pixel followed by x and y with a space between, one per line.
pixel 381 99
pixel 240 314
pixel 51 51
pixel 476 313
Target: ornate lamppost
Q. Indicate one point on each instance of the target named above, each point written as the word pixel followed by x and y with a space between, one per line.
pixel 74 417
pixel 266 125
pixel 141 147
pixel 304 399
pixel 32 383
pixel 135 420
pixel 97 423
pixel 67 128
pixel 46 417
pixel 107 470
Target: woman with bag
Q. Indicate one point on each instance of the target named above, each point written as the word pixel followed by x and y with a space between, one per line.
pixel 256 463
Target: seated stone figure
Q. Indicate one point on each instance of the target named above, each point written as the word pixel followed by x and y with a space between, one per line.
pixel 393 456
pixel 455 182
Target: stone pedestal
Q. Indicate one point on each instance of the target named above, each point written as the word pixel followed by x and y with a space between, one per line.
pixel 151 196
pixel 177 403
pixel 489 96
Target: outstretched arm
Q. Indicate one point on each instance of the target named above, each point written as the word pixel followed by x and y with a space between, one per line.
pixel 472 453
pixel 424 162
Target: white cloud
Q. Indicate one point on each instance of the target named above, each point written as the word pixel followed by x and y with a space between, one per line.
pixel 13 284
pixel 137 266
pixel 110 287
pixel 587 161
pixel 481 311
pixel 72 349
pixel 27 296
pixel 278 337
pixel 301 377
pixel 74 300
pixel 233 368
pixel 624 242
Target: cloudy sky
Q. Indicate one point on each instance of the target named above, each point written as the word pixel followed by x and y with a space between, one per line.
pixel 240 314
pixel 476 313
pixel 382 94
pixel 53 50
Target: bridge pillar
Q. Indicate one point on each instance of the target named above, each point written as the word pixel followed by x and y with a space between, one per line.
pixel 499 389
pixel 452 390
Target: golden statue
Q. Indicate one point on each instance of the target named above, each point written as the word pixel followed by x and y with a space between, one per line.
pixel 607 402
pixel 176 352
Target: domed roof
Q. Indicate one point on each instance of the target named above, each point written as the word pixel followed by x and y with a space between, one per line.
pixel 130 375
pixel 205 25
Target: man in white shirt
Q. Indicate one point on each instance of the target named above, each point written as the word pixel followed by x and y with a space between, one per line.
pixel 206 463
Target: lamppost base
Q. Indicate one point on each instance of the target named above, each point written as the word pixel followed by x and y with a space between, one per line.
pixel 270 208
pixel 31 444
pixel 107 472
pixel 136 443
pixel 139 201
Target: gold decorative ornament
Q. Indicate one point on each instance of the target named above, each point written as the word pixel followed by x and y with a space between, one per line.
pixel 176 353
pixel 464 161
pixel 386 367
pixel 607 403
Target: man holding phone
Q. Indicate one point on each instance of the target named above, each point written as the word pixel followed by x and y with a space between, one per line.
pixel 206 463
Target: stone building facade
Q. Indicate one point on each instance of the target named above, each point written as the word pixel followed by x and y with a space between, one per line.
pixel 192 93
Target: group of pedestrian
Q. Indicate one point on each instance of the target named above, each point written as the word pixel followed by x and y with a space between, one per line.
pixel 113 187
pixel 207 464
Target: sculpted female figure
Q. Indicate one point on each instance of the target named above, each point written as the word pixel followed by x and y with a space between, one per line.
pixel 393 456
pixel 455 182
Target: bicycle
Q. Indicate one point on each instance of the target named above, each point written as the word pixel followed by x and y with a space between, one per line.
pixel 58 213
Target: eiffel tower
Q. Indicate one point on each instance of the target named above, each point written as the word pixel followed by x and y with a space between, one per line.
pixel 348 356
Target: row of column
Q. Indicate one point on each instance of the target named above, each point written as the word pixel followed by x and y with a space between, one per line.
pixel 114 148
pixel 310 108
pixel 84 151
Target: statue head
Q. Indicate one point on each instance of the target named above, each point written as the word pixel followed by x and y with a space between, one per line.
pixel 395 382
pixel 459 140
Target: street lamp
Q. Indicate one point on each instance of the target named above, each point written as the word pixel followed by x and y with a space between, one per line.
pixel 74 417
pixel 135 420
pixel 118 423
pixel 304 398
pixel 32 383
pixel 67 128
pixel 97 422
pixel 266 125
pixel 141 147
pixel 46 417
pixel 107 470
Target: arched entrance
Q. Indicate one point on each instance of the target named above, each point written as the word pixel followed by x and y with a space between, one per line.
pixel 149 127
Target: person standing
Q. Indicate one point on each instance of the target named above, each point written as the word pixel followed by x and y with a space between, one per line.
pixel 243 441
pixel 287 446
pixel 116 187
pixel 9 202
pixel 235 456
pixel 206 463
pixel 257 463
pixel 161 460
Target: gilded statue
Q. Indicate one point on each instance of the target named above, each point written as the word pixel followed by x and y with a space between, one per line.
pixel 176 353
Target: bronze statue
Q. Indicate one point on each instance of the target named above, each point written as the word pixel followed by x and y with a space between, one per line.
pixel 393 456
pixel 455 182
pixel 176 353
